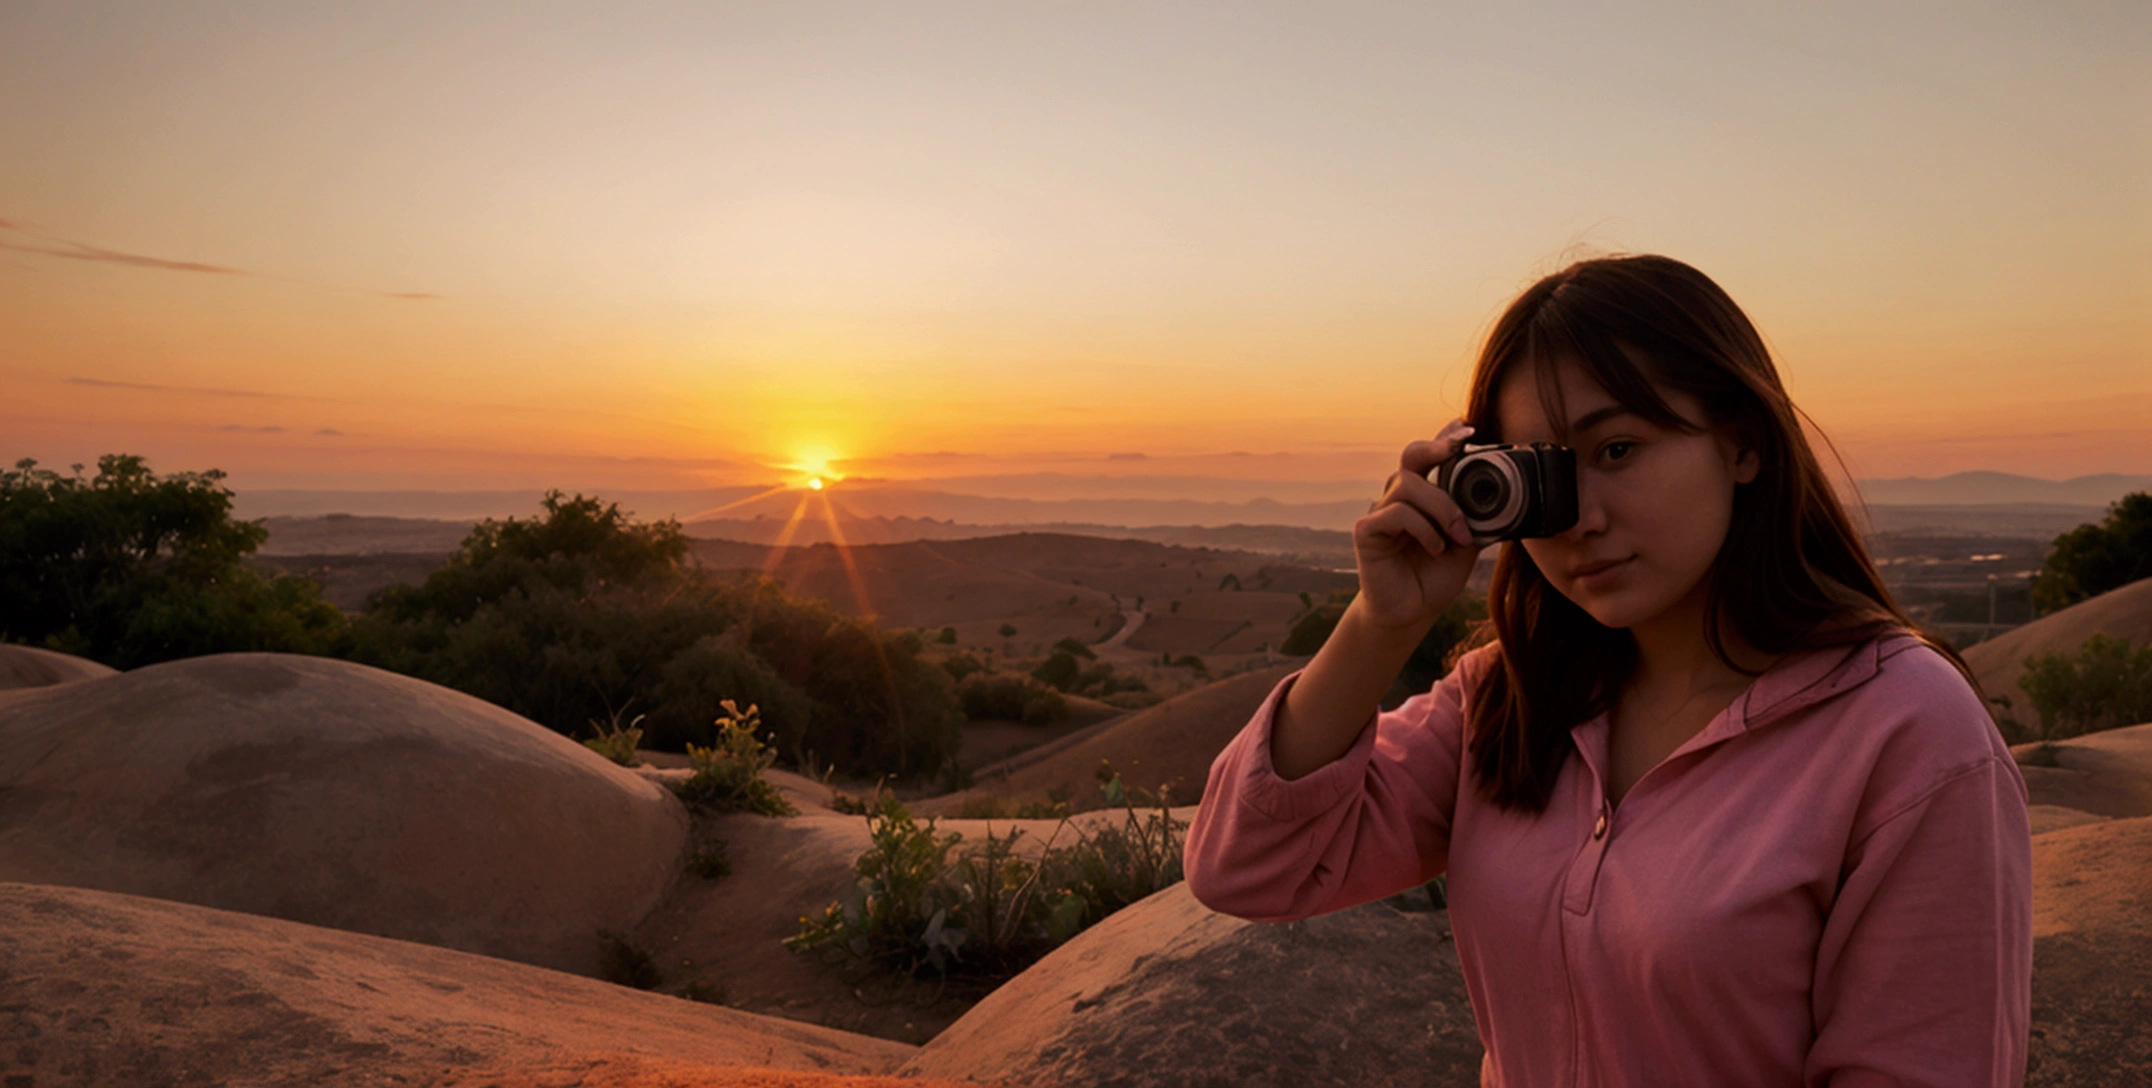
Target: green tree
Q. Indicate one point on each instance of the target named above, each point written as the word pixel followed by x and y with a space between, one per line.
pixel 2104 684
pixel 581 613
pixel 2092 559
pixel 131 568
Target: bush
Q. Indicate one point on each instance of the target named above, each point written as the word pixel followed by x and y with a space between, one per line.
pixel 996 696
pixel 988 913
pixel 2092 559
pixel 1060 671
pixel 897 916
pixel 130 569
pixel 2105 684
pixel 694 684
pixel 728 777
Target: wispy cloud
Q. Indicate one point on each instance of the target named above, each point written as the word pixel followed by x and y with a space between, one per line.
pixel 188 390
pixel 67 249
pixel 330 431
pixel 236 428
pixel 75 251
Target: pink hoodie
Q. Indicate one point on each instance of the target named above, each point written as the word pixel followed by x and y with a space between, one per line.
pixel 1831 884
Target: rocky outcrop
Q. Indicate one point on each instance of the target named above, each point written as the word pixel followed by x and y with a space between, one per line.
pixel 335 794
pixel 2105 774
pixel 31 667
pixel 107 989
pixel 1168 993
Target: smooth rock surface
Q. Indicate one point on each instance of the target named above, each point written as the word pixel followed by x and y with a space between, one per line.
pixel 2107 773
pixel 32 667
pixel 98 988
pixel 335 794
pixel 2092 956
pixel 1168 993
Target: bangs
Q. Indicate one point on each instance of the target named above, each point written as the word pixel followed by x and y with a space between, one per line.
pixel 1616 362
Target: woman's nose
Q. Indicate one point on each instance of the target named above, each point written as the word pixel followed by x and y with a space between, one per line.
pixel 1591 513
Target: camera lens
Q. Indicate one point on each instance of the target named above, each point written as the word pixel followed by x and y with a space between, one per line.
pixel 1481 490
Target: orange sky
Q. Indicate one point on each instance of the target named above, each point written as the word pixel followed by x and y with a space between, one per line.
pixel 662 248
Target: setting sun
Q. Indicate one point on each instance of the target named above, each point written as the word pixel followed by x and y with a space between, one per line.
pixel 815 483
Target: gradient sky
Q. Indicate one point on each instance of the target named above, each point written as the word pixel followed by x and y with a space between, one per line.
pixel 527 244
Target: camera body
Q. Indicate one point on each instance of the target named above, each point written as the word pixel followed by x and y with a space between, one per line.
pixel 1510 492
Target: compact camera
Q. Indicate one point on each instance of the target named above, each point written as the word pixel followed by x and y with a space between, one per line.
pixel 1508 492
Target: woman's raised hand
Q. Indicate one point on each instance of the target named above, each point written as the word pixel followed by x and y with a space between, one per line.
pixel 1413 548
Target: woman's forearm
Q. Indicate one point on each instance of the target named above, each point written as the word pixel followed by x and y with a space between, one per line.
pixel 1334 696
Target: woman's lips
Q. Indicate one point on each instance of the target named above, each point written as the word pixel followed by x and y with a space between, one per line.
pixel 1604 576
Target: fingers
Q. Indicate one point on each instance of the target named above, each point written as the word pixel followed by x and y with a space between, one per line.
pixel 1433 505
pixel 1422 456
pixel 1398 519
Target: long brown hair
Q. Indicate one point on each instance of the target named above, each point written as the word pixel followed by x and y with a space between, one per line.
pixel 1803 579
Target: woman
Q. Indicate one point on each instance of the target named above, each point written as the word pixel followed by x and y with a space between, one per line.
pixel 1712 810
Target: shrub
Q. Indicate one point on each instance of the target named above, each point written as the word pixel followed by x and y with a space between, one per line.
pixel 897 915
pixel 1059 671
pixel 1002 697
pixel 1075 647
pixel 1008 630
pixel 710 861
pixel 620 962
pixel 130 569
pixel 2105 684
pixel 960 666
pixel 947 636
pixel 694 683
pixel 988 913
pixel 615 741
pixel 728 777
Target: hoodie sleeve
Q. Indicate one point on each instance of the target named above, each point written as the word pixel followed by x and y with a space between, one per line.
pixel 1373 822
pixel 1924 973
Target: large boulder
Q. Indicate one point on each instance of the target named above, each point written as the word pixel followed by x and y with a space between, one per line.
pixel 108 989
pixel 2107 773
pixel 1999 662
pixel 1169 745
pixel 336 794
pixel 31 667
pixel 1169 993
pixel 2092 956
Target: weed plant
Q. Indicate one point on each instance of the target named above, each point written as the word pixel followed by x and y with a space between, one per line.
pixel 728 775
pixel 615 741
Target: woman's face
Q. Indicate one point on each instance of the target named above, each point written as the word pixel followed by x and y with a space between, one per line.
pixel 1654 502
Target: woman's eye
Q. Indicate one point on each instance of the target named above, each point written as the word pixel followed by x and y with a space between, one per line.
pixel 1609 449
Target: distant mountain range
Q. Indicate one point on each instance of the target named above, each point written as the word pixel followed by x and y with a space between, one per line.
pixel 1981 488
pixel 922 502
